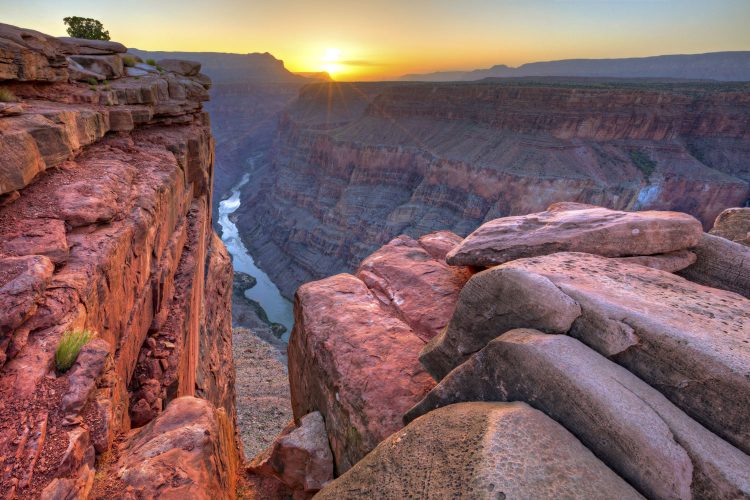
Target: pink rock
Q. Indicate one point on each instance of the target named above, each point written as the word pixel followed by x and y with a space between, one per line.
pixel 596 230
pixel 299 456
pixel 423 290
pixel 670 262
pixel 439 243
pixel 35 237
pixel 355 362
pixel 733 224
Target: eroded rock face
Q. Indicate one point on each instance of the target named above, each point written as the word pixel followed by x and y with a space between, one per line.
pixel 116 240
pixel 688 341
pixel 187 452
pixel 592 230
pixel 632 427
pixel 355 362
pixel 299 456
pixel 480 450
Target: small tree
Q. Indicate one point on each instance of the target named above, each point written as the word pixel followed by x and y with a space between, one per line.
pixel 85 27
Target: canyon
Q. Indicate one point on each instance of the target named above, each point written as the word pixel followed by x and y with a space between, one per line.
pixel 354 165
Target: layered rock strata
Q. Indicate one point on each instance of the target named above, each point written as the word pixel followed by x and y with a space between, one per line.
pixel 105 225
pixel 355 165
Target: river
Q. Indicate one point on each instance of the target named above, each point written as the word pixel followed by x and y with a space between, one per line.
pixel 265 292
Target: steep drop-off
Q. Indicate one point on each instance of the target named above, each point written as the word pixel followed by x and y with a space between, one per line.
pixel 105 225
pixel 353 165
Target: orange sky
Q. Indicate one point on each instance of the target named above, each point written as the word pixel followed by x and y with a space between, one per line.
pixel 385 38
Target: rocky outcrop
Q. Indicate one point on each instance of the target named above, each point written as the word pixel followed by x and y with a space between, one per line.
pixel 354 348
pixel 633 428
pixel 105 225
pixel 480 450
pixel 721 263
pixel 354 165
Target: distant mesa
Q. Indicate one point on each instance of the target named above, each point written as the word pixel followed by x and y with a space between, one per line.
pixel 322 76
pixel 723 66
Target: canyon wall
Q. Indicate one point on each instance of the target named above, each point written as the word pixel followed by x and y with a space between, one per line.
pixel 106 225
pixel 354 165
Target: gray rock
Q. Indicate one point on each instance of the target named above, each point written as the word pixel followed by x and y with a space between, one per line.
pixel 180 66
pixel 480 451
pixel 108 65
pixel 84 46
pixel 721 263
pixel 629 425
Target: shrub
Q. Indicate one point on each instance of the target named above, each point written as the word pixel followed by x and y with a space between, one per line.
pixel 128 61
pixel 643 162
pixel 151 62
pixel 7 96
pixel 92 81
pixel 70 345
pixel 85 27
pixel 93 87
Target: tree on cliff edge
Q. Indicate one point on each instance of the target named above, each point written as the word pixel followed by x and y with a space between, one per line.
pixel 85 27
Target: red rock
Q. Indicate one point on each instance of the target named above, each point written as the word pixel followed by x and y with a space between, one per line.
pixel 595 230
pixel 188 452
pixel 354 362
pixel 299 456
pixel 30 55
pixel 421 289
pixel 721 263
pixel 439 243
pixel 23 281
pixel 82 377
pixel 670 262
pixel 35 237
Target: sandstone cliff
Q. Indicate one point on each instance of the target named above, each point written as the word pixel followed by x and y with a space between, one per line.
pixel 105 223
pixel 356 164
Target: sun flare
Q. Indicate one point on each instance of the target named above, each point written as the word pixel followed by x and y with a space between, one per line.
pixel 330 60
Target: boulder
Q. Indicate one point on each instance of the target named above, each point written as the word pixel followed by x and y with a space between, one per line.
pixel 573 228
pixel 299 456
pixel 180 66
pixel 733 224
pixel 670 262
pixel 29 55
pixel 439 243
pixel 480 450
pixel 629 425
pixel 23 281
pixel 355 362
pixel 35 237
pixel 721 263
pixel 82 377
pixel 84 46
pixel 422 290
pixel 186 452
pixel 688 341
pixel 110 66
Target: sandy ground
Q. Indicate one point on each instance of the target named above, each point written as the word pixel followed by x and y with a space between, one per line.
pixel 262 388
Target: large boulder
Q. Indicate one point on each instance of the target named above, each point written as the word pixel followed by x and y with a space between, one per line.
pixel 687 340
pixel 422 289
pixel 84 46
pixel 353 360
pixel 721 263
pixel 299 456
pixel 483 451
pixel 180 66
pixel 577 228
pixel 110 66
pixel 186 452
pixel 632 427
pixel 733 224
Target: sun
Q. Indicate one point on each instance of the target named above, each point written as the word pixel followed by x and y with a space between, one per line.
pixel 331 61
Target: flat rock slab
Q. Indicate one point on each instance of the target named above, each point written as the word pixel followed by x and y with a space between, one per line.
pixel 576 228
pixel 482 451
pixel 92 47
pixel 631 426
pixel 354 361
pixel 670 262
pixel 23 281
pixel 180 66
pixel 733 224
pixel 423 290
pixel 721 263
pixel 689 341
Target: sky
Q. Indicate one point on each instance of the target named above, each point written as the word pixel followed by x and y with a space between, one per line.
pixel 382 39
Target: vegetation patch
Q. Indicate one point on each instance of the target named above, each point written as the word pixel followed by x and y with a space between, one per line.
pixel 7 96
pixel 85 27
pixel 151 62
pixel 128 61
pixel 644 163
pixel 70 345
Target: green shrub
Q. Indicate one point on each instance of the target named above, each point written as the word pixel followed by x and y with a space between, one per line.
pixel 85 27
pixel 128 61
pixel 93 87
pixel 92 81
pixel 70 345
pixel 643 162
pixel 7 96
pixel 151 62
